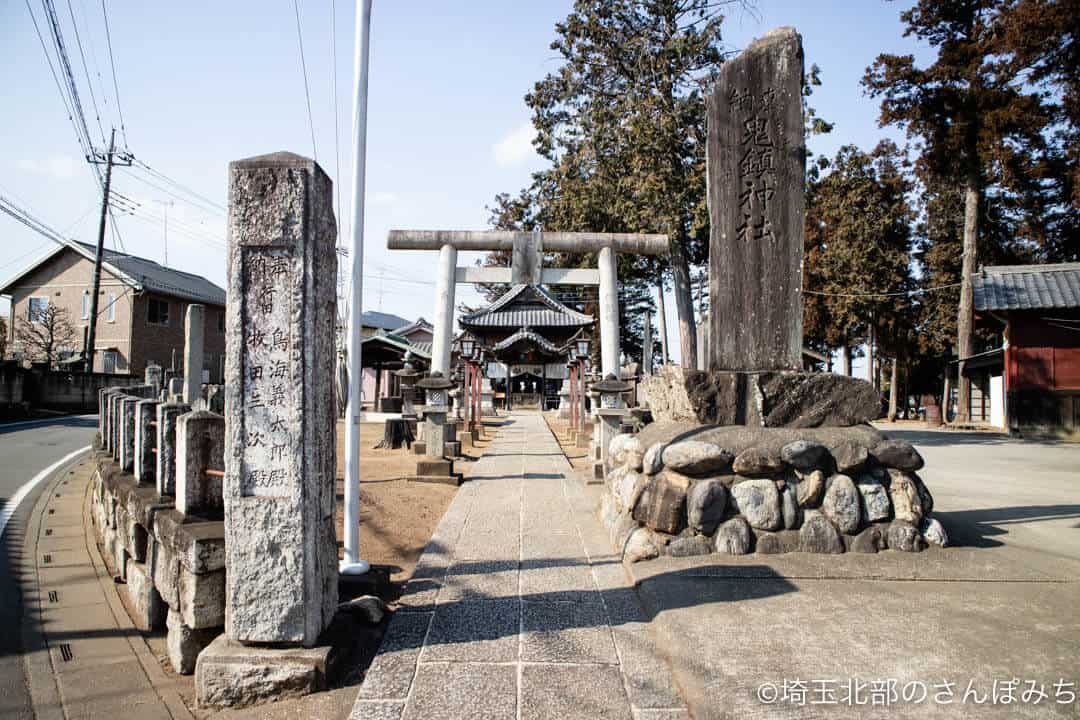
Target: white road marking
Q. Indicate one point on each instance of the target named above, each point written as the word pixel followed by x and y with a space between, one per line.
pixel 9 509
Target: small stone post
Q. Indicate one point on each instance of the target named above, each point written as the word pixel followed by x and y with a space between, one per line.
pixel 200 444
pixel 146 439
pixel 152 376
pixel 194 332
pixel 165 470
pixel 127 433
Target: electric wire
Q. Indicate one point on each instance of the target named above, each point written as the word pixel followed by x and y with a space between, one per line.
pixel 86 71
pixel 307 92
pixel 112 64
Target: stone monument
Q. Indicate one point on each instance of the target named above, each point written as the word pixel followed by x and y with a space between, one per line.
pixel 281 557
pixel 753 338
pixel 794 464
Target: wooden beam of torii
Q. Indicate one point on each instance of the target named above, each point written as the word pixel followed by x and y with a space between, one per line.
pixel 526 267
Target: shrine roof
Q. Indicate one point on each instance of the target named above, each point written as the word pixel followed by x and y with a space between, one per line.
pixel 527 335
pixel 526 306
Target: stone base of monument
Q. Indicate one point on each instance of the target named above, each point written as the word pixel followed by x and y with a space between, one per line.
pixel 682 489
pixel 419 447
pixel 453 449
pixel 759 399
pixel 229 674
pixel 436 470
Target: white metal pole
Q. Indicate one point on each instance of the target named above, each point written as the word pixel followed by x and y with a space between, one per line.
pixel 352 564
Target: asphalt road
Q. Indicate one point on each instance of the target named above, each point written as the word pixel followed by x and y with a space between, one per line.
pixel 26 449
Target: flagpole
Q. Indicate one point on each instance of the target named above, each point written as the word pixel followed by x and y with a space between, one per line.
pixel 352 564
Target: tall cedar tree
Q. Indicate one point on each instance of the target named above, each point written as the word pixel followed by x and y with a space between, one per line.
pixel 1039 40
pixel 858 242
pixel 623 123
pixel 978 124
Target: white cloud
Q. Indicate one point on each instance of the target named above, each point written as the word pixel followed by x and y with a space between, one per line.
pixel 384 198
pixel 58 167
pixel 516 147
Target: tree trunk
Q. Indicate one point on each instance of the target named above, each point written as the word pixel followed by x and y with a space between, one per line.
pixel 965 318
pixel 662 313
pixel 892 392
pixel 684 306
pixel 945 393
pixel 871 355
pixel 845 359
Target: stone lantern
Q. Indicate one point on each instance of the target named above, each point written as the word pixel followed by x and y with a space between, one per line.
pixel 407 375
pixel 435 467
pixel 609 414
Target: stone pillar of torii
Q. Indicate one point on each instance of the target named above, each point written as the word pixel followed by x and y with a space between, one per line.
pixel 527 252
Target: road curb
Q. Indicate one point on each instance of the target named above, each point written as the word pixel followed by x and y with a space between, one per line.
pixel 45 697
pixel 155 675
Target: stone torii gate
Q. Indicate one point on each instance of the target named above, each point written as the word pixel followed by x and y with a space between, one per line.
pixel 526 267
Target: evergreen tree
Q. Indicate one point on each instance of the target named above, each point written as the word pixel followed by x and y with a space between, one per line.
pixel 978 126
pixel 622 121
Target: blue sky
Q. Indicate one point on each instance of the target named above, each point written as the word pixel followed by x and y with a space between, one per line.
pixel 204 83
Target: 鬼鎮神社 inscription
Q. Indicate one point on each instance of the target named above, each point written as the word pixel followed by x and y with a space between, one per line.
pixel 755 172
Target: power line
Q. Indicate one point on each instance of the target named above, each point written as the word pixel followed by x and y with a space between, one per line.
pixel 56 78
pixel 112 64
pixel 180 186
pixel 307 92
pixel 86 70
pixel 900 293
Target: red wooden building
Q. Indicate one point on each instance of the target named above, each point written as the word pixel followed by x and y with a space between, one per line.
pixel 1038 307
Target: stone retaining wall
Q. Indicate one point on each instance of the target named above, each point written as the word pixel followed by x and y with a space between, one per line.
pixel 172 564
pixel 679 489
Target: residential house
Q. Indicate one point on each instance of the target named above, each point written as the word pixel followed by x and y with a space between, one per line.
pixel 141 308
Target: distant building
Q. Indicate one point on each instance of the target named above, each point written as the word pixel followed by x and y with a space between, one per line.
pixel 386 340
pixel 1033 381
pixel 141 308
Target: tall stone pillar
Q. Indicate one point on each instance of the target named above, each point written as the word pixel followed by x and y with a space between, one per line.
pixel 609 313
pixel 194 332
pixel 281 557
pixel 755 171
pixel 445 284
pixel 280 554
pixel 646 345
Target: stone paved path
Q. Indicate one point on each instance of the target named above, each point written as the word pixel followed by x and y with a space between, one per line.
pixel 517 608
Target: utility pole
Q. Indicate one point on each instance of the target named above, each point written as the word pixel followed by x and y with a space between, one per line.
pixel 108 159
pixel 165 205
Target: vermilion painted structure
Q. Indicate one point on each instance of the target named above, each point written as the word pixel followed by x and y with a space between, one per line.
pixel 1039 309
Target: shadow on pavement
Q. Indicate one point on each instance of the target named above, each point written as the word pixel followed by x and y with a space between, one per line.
pixel 976 528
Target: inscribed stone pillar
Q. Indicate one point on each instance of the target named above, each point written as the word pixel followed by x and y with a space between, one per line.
pixel 194 331
pixel 127 433
pixel 755 175
pixel 145 439
pixel 280 435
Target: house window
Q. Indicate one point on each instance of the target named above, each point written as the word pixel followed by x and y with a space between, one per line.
pixel 110 308
pixel 36 306
pixel 108 361
pixel 85 304
pixel 157 312
pixel 221 321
